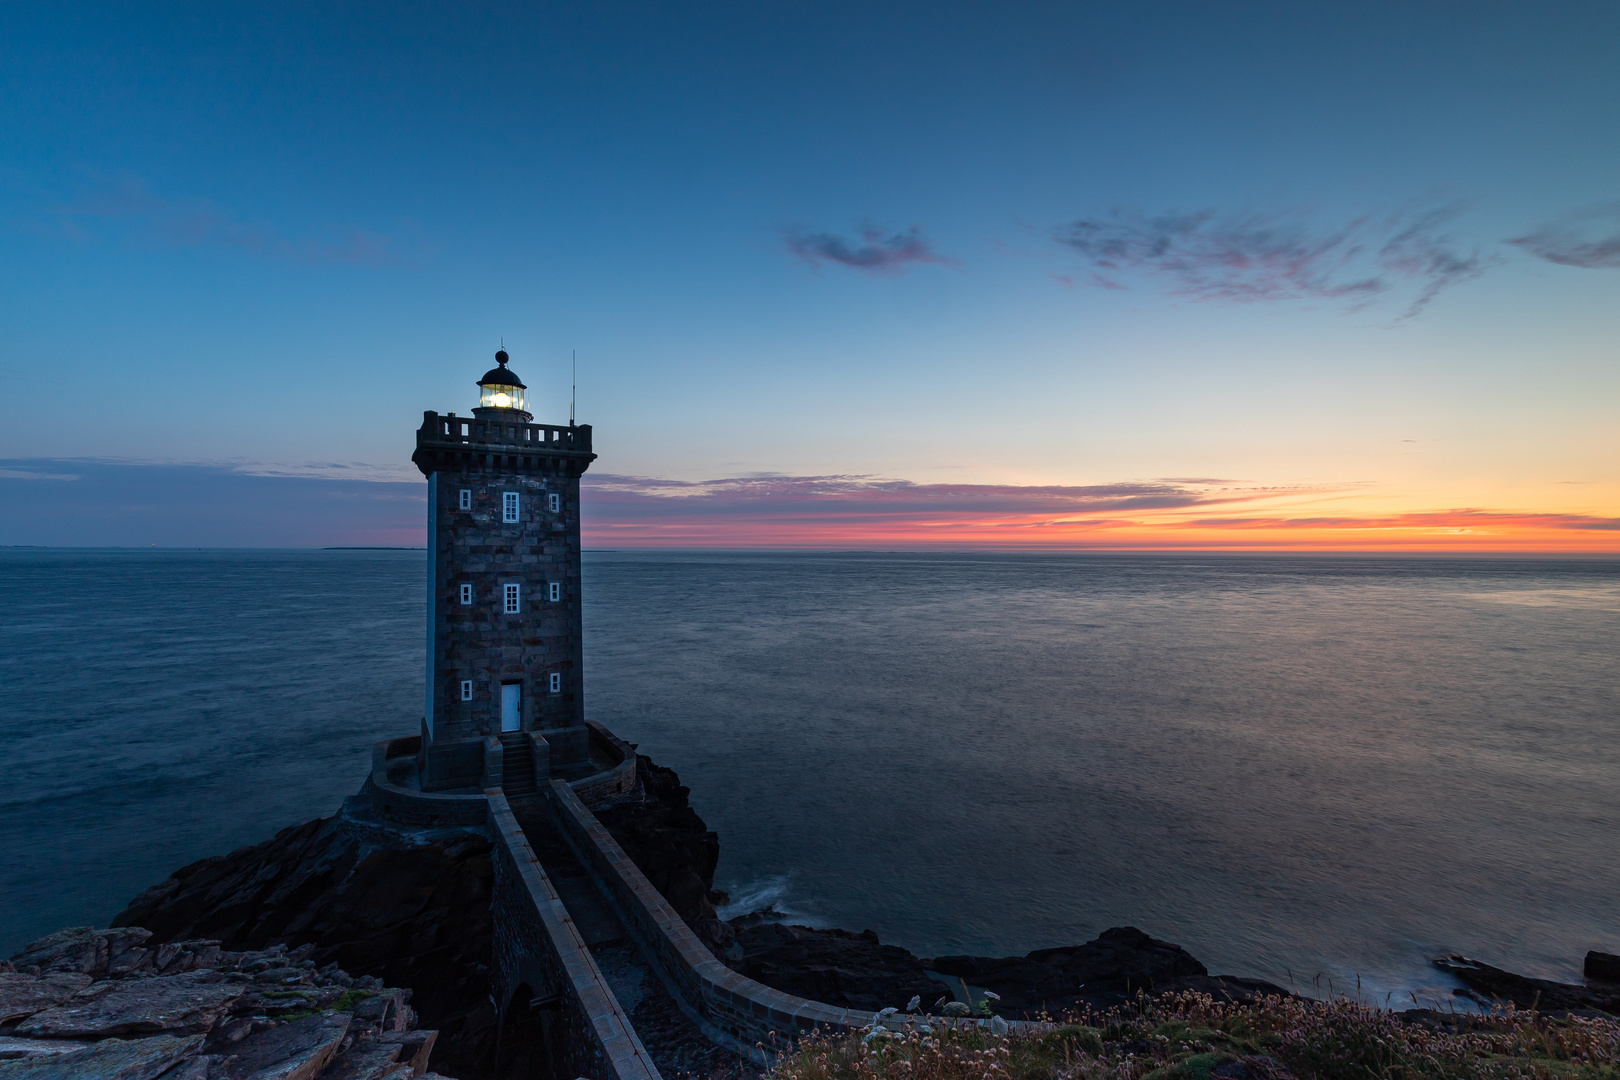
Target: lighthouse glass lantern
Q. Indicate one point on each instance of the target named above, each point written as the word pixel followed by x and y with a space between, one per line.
pixel 500 388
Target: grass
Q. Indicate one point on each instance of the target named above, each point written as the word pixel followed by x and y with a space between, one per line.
pixel 1194 1037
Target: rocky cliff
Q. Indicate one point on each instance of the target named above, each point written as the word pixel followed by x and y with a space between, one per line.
pixel 112 1003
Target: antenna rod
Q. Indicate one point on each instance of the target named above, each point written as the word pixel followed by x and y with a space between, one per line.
pixel 573 391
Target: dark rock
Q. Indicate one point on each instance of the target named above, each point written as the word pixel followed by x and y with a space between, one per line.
pixel 77 948
pixel 670 844
pixel 388 1011
pixel 190 1002
pixel 1488 985
pixel 415 1047
pixel 110 1059
pixel 292 1051
pixel 1097 975
pixel 279 1028
pixel 415 915
pixel 368 1060
pixel 1602 967
pixel 1250 1067
pixel 12 1048
pixel 855 971
pixel 22 996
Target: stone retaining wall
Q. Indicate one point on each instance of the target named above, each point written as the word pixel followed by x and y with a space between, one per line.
pixel 537 944
pixel 411 807
pixel 731 1008
pixel 607 786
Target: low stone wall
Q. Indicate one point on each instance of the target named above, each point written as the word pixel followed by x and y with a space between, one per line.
pixel 606 786
pixel 409 806
pixel 536 944
pixel 731 1008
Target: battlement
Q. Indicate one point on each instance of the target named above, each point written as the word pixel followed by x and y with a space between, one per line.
pixel 448 440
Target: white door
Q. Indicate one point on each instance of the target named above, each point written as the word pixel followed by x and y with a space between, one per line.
pixel 511 706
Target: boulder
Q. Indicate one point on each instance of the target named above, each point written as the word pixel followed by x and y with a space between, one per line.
pixel 415 1047
pixel 370 1060
pixel 297 1050
pixel 1602 967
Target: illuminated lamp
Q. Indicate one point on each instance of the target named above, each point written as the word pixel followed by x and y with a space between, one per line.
pixel 501 389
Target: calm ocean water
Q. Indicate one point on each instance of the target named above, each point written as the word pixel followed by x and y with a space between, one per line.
pixel 1290 765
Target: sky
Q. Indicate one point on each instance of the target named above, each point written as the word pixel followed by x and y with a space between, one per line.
pixel 1248 276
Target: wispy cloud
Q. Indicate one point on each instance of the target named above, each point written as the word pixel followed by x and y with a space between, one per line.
pixel 875 249
pixel 1245 258
pixel 32 474
pixel 1588 238
pixel 866 497
pixel 127 502
pixel 1160 514
pixel 200 223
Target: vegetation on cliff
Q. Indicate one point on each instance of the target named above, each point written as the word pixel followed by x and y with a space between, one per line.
pixel 1192 1036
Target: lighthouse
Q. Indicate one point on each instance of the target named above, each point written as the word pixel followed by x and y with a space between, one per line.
pixel 504 677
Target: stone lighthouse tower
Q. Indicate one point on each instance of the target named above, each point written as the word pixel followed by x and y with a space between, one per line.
pixel 503 611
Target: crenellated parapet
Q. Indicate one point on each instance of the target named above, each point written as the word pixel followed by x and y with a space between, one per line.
pixel 479 444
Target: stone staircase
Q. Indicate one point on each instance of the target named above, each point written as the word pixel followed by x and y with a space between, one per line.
pixel 517 765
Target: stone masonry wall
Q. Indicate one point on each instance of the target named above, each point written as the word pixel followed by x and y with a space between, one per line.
pixel 536 944
pixel 478 641
pixel 732 1008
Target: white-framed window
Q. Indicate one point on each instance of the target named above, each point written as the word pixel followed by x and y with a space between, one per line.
pixel 466 592
pixel 513 603
pixel 554 588
pixel 509 506
pixel 466 689
pixel 466 499
pixel 556 682
pixel 554 501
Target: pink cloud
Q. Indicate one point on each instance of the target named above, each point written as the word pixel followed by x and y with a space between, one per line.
pixel 1189 513
pixel 874 251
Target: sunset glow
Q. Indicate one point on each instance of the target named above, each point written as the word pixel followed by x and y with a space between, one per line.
pixel 833 512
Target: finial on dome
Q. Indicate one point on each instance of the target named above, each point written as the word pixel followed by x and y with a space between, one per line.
pixel 501 358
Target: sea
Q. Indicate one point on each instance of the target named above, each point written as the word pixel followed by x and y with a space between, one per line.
pixel 1318 770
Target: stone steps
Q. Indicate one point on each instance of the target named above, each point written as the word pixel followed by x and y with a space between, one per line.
pixel 517 765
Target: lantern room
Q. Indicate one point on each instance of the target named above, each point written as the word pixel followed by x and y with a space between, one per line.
pixel 501 390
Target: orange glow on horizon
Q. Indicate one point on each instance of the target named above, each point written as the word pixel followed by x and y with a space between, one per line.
pixel 1449 532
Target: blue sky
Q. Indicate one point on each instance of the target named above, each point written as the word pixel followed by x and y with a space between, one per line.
pixel 1366 255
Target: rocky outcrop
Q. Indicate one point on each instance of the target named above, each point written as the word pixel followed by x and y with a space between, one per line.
pixel 855 971
pixel 669 843
pixel 858 971
pixel 408 908
pixel 1489 985
pixel 412 907
pixel 1098 975
pixel 107 1003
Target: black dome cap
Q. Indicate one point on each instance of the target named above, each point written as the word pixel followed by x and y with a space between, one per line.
pixel 501 376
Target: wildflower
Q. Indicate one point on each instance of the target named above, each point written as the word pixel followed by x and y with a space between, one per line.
pixel 911 1006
